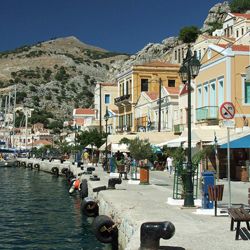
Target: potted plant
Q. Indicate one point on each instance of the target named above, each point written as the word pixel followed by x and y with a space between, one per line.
pixel 141 152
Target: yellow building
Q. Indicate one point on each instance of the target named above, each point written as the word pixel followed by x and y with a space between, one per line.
pixel 138 79
pixel 222 78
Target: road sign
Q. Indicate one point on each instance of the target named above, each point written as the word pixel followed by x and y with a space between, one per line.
pixel 227 110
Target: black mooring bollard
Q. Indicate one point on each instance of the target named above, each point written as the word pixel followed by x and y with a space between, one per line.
pixel 98 189
pixel 113 181
pixel 152 232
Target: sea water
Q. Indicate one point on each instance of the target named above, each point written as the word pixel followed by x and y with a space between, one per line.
pixel 37 212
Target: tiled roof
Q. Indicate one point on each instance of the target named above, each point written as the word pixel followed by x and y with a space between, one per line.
pixel 82 111
pixel 152 95
pixel 185 90
pixel 42 142
pixel 236 47
pixel 107 84
pixel 247 16
pixel 172 90
pixel 158 64
pixel 79 121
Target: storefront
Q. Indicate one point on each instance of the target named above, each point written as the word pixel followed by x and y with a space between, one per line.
pixel 239 157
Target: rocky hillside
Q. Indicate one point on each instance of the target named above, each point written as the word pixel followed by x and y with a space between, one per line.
pixel 161 51
pixel 56 75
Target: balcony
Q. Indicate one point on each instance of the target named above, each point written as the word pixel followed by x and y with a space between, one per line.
pixel 121 129
pixel 207 113
pixel 123 100
pixel 178 128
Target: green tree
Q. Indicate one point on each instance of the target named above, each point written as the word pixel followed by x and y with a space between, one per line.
pixel 189 34
pixel 56 126
pixel 140 149
pixel 239 6
pixel 92 137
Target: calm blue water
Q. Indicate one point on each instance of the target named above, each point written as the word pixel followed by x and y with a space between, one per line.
pixel 36 212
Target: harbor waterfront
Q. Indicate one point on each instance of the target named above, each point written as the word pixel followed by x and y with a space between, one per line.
pixel 130 205
pixel 38 213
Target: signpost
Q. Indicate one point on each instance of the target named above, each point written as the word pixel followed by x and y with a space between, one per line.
pixel 227 111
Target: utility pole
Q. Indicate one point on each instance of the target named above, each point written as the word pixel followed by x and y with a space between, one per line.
pixel 100 112
pixel 159 120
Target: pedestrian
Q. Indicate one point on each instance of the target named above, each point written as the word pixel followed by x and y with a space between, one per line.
pixel 85 157
pixel 170 164
pixel 245 121
pixel 112 163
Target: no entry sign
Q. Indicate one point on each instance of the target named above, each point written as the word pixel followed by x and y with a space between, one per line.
pixel 227 110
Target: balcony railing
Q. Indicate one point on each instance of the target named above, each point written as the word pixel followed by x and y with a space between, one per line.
pixel 178 128
pixel 125 99
pixel 121 129
pixel 207 113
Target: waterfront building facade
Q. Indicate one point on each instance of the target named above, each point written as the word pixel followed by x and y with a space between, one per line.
pixel 139 79
pixel 222 78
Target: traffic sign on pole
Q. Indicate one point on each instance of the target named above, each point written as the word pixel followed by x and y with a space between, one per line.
pixel 227 110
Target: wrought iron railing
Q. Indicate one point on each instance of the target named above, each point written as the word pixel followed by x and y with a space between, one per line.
pixel 121 99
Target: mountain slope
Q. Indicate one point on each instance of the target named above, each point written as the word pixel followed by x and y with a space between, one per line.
pixel 56 75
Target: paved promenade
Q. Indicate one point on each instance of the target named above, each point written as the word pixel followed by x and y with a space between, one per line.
pixel 130 205
pixel 148 203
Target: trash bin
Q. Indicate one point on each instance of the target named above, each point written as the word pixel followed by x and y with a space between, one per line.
pixel 144 175
pixel 215 193
pixel 208 180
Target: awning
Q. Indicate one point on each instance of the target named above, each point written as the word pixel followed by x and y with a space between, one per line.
pixel 242 142
pixel 119 147
pixel 175 143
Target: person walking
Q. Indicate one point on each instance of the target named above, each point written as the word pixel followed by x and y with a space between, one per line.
pixel 85 157
pixel 245 121
pixel 170 165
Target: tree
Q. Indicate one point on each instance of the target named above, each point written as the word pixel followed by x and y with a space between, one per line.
pixel 140 149
pixel 189 34
pixel 239 6
pixel 56 126
pixel 92 137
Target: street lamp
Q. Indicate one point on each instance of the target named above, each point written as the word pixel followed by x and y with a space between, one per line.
pixel 106 117
pixel 189 69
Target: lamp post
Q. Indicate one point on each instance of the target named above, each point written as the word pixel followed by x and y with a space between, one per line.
pixel 189 69
pixel 159 120
pixel 106 117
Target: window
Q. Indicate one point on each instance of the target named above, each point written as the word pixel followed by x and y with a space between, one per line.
pixel 175 55
pixel 247 92
pixel 199 54
pixel 127 83
pixel 206 95
pixel 171 83
pixel 237 33
pixel 107 99
pixel 144 85
pixel 242 31
pixel 199 103
pixel 220 92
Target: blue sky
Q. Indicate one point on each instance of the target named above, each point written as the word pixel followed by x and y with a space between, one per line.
pixel 115 25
